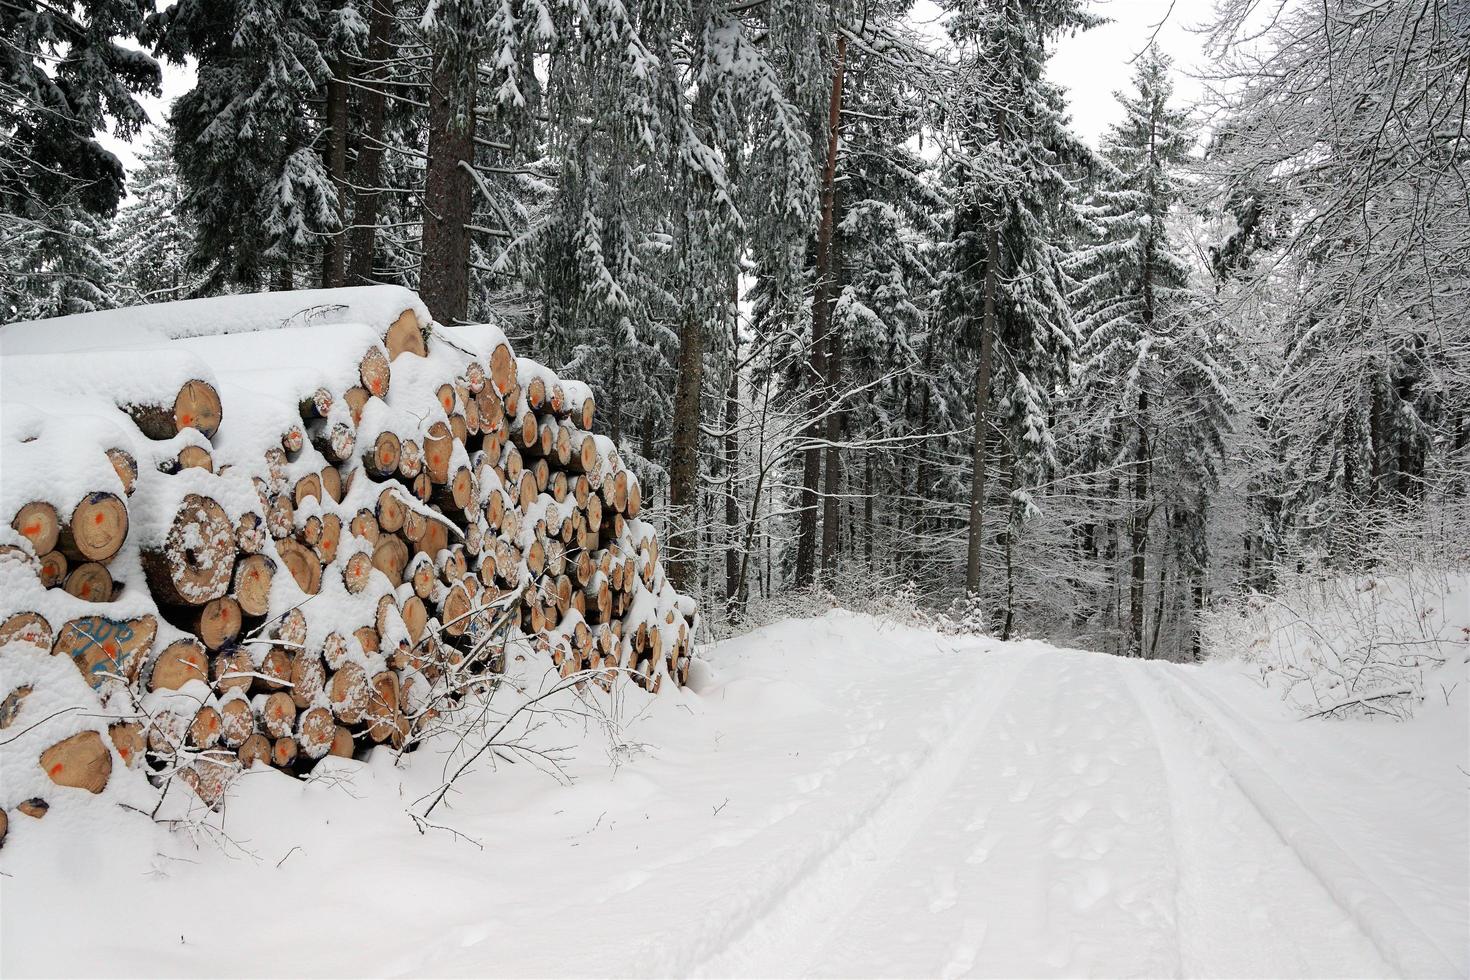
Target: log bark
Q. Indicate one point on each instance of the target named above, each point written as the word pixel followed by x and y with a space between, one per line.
pixel 126 468
pixel 195 406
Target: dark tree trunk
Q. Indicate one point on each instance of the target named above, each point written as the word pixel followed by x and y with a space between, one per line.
pixel 368 174
pixel 334 152
pixel 733 588
pixel 1008 622
pixel 982 408
pixel 832 477
pixel 1196 623
pixel 684 458
pixel 806 544
pixel 444 283
pixel 1138 536
pixel 868 523
pixel 1153 642
pixel 836 422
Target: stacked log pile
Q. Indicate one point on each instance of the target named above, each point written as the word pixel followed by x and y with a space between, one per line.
pixel 265 546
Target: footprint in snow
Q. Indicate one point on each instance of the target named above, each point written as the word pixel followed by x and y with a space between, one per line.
pixel 981 850
pixel 473 935
pixel 1075 809
pixel 1023 791
pixel 809 782
pixel 945 896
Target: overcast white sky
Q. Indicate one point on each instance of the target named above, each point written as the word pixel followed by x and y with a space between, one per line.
pixel 1095 64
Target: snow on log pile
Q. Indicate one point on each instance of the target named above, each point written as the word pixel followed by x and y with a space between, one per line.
pixel 263 529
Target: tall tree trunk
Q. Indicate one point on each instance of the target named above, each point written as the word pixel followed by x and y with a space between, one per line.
pixel 1153 642
pixel 684 457
pixel 368 174
pixel 1138 536
pixel 334 246
pixel 836 422
pixel 806 542
pixel 1197 621
pixel 832 475
pixel 732 459
pixel 868 523
pixel 1009 620
pixel 444 282
pixel 982 409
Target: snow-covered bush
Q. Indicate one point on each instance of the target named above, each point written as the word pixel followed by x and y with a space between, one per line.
pixel 893 598
pixel 1366 643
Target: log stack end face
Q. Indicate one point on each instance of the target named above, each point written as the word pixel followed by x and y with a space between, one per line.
pixel 405 520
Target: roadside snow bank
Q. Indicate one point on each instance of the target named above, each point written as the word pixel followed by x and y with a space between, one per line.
pixel 1342 645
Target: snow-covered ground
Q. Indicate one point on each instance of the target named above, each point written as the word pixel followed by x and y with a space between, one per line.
pixel 841 796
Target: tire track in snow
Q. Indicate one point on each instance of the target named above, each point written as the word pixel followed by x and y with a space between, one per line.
pixel 1399 941
pixel 1050 855
pixel 768 934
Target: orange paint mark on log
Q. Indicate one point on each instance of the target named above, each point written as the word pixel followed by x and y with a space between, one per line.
pixel 55 770
pixel 109 648
pixel 31 530
pixel 185 420
pixel 99 519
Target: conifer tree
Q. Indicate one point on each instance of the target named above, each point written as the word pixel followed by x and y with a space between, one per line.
pixel 153 234
pixel 1003 290
pixel 254 179
pixel 1149 387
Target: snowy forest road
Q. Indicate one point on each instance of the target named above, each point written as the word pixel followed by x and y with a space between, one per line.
pixel 840 796
pixel 1087 816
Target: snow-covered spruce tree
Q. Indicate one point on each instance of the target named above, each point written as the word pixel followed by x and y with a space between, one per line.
pixel 65 74
pixel 886 213
pixel 1149 394
pixel 1339 152
pixel 1002 288
pixel 860 163
pixel 153 233
pixel 62 265
pixel 254 180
